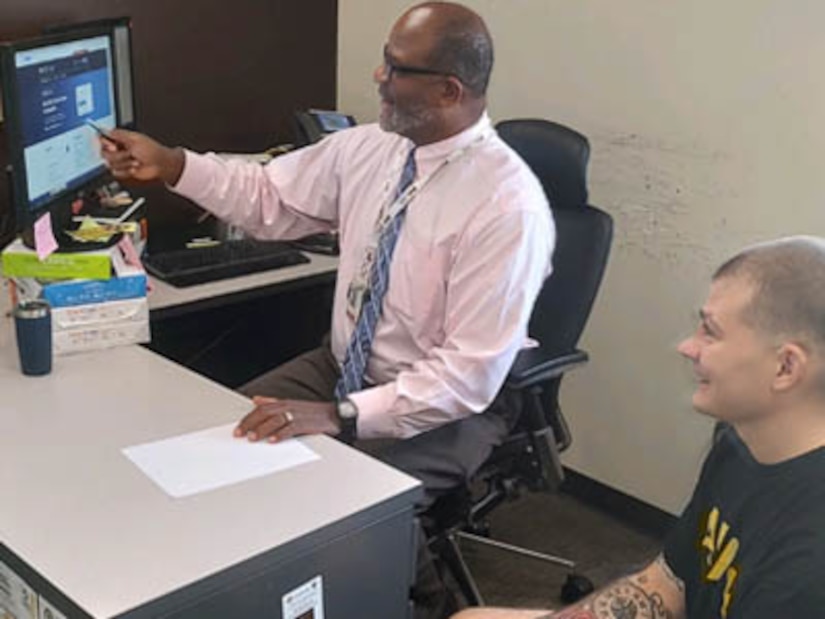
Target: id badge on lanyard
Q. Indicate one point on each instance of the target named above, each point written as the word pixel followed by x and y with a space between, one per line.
pixel 359 287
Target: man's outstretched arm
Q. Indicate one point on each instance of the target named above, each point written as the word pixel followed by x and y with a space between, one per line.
pixel 654 593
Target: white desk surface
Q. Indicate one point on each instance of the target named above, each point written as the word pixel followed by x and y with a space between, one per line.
pixel 89 521
pixel 164 296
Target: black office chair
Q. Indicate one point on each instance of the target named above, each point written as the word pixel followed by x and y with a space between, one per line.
pixel 529 457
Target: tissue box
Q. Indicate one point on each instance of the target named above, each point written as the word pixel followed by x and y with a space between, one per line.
pixel 20 261
pixel 81 328
pixel 129 284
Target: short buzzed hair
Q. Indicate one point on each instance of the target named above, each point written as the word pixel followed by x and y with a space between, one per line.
pixel 463 47
pixel 788 276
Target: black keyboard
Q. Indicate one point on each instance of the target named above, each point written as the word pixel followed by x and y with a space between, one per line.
pixel 323 243
pixel 187 267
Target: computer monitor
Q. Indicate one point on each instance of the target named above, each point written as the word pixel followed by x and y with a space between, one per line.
pixel 121 28
pixel 51 87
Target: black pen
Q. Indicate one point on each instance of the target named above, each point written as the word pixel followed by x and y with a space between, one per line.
pixel 103 134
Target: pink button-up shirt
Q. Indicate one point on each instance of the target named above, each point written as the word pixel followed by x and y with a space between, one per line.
pixel 475 247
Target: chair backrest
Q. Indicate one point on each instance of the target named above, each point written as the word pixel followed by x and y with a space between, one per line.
pixel 558 156
pixel 528 456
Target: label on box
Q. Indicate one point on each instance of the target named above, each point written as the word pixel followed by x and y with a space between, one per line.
pixel 99 337
pixel 89 291
pixel 20 261
pixel 102 325
pixel 99 314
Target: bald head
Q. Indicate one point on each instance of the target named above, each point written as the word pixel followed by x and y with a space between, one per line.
pixel 460 42
pixel 788 279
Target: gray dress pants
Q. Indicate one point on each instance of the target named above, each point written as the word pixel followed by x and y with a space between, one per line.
pixel 442 459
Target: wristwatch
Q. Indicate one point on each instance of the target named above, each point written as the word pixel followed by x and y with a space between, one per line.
pixel 348 418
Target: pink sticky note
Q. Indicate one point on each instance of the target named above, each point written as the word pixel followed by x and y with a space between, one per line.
pixel 44 242
pixel 130 255
pixel 129 252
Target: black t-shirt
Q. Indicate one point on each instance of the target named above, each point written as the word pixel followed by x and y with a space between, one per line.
pixel 751 543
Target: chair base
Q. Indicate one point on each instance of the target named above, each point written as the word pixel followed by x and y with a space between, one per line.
pixel 449 551
pixel 524 552
pixel 448 548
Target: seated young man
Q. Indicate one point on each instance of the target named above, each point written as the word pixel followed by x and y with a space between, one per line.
pixel 751 543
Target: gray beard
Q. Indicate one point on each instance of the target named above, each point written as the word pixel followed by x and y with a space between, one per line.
pixel 406 122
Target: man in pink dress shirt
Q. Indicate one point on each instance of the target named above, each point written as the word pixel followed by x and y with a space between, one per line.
pixel 473 251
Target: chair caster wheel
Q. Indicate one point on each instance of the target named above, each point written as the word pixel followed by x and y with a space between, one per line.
pixel 482 529
pixel 575 588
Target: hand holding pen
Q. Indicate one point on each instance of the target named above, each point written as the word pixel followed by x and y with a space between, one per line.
pixel 103 133
pixel 132 155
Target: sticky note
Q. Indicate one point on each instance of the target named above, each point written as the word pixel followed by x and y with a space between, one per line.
pixel 44 242
pixel 129 251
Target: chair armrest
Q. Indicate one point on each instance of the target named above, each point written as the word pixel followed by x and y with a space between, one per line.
pixel 535 365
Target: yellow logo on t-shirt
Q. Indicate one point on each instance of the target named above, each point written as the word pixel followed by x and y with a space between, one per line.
pixel 720 555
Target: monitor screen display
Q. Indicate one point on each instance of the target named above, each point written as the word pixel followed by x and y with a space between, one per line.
pixel 121 29
pixel 59 87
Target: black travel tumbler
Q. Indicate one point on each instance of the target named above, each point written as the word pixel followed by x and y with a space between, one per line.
pixel 33 323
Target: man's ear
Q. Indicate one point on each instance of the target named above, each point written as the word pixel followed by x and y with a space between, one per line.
pixel 453 91
pixel 793 366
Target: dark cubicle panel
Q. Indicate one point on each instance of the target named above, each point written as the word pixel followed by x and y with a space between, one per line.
pixel 6 218
pixel 209 74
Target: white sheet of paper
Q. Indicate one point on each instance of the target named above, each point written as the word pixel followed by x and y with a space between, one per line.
pixel 208 459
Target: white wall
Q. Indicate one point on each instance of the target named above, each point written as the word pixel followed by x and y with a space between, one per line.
pixel 707 127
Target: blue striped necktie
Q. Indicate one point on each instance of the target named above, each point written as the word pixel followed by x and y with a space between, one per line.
pixel 358 350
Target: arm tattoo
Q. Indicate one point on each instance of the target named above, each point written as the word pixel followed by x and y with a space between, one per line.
pixel 577 612
pixel 660 560
pixel 625 599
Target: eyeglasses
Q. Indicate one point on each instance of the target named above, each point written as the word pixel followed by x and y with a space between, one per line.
pixel 392 68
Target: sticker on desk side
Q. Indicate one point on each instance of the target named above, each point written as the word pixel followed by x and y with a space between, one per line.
pixel 305 602
pixel 17 599
pixel 47 611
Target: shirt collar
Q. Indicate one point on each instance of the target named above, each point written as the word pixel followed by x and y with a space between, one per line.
pixel 435 152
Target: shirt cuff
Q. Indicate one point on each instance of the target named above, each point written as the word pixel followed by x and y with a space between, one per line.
pixel 195 171
pixel 374 417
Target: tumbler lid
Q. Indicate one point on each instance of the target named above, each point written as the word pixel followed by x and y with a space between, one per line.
pixel 32 309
